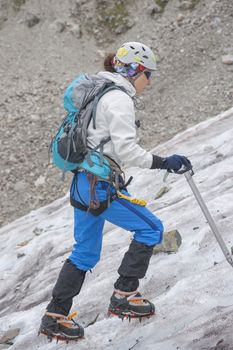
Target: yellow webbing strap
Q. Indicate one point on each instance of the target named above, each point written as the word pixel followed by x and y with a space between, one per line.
pixel 132 200
pixel 72 315
pixel 69 317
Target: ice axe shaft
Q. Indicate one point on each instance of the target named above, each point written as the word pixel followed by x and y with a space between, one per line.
pixel 208 217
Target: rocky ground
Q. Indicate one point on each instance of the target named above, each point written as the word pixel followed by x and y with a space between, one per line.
pixel 43 45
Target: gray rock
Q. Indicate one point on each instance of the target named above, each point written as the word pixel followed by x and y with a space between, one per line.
pixel 20 255
pixel 228 50
pixel 155 10
pixel 31 20
pixel 20 186
pixel 187 4
pixel 124 27
pixel 215 22
pixel 37 231
pixel 180 18
pixel 8 336
pixel 59 26
pixel 171 242
pixel 81 2
pixel 3 13
pixel 23 243
pixel 227 59
pixel 76 30
pixel 40 181
pixel 162 191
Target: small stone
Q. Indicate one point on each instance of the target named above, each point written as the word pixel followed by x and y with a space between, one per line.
pixel 161 192
pixel 20 255
pixel 9 335
pixel 130 23
pixel 12 158
pixel 34 117
pixel 227 59
pixel 22 244
pixel 76 31
pixel 180 18
pixel 37 231
pixel 20 186
pixel 208 148
pixel 171 242
pixel 219 155
pixel 59 26
pixel 81 2
pixel 155 10
pixel 40 181
pixel 31 20
pixel 188 4
pixel 215 23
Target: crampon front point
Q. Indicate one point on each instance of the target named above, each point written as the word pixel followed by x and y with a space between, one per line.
pixel 129 315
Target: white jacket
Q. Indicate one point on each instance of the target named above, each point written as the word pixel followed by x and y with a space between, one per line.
pixel 115 117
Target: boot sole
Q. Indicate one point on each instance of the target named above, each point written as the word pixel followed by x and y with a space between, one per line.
pixel 58 336
pixel 129 314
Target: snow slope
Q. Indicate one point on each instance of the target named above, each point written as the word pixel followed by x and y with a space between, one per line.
pixel 192 289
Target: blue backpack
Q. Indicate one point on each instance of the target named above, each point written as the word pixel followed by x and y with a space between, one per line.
pixel 69 146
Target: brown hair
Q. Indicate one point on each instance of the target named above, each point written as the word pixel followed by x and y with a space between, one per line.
pixel 108 62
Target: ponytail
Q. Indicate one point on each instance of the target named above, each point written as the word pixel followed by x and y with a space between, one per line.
pixel 108 62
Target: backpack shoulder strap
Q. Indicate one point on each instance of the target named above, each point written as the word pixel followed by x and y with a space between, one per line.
pixel 106 87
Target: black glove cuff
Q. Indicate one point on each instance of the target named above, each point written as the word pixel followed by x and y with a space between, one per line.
pixel 158 162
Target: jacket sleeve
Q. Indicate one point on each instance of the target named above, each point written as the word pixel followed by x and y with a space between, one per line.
pixel 120 116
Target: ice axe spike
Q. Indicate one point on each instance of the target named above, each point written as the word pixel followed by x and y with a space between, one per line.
pixel 188 173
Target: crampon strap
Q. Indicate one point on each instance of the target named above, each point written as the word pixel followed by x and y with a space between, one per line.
pixel 63 319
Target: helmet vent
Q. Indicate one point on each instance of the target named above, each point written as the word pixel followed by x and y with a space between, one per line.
pixel 143 48
pixel 132 47
pixel 137 52
pixel 145 56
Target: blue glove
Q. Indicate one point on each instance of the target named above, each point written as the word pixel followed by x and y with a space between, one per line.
pixel 174 162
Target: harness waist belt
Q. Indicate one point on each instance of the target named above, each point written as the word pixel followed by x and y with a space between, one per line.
pixel 97 211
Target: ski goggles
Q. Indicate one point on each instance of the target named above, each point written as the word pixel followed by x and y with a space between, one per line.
pixel 141 69
pixel 130 70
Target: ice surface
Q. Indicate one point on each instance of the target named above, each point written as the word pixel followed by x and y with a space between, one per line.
pixel 192 289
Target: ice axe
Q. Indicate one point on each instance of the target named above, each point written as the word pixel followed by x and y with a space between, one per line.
pixel 188 173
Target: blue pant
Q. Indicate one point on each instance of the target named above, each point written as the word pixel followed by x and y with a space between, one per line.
pixel 88 229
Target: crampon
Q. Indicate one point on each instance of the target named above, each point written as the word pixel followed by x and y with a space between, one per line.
pixel 60 327
pixel 130 306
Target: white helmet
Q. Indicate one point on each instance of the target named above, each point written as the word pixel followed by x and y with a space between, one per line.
pixel 134 52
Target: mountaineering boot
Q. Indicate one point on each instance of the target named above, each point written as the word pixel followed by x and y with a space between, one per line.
pixel 55 322
pixel 60 327
pixel 130 305
pixel 126 301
